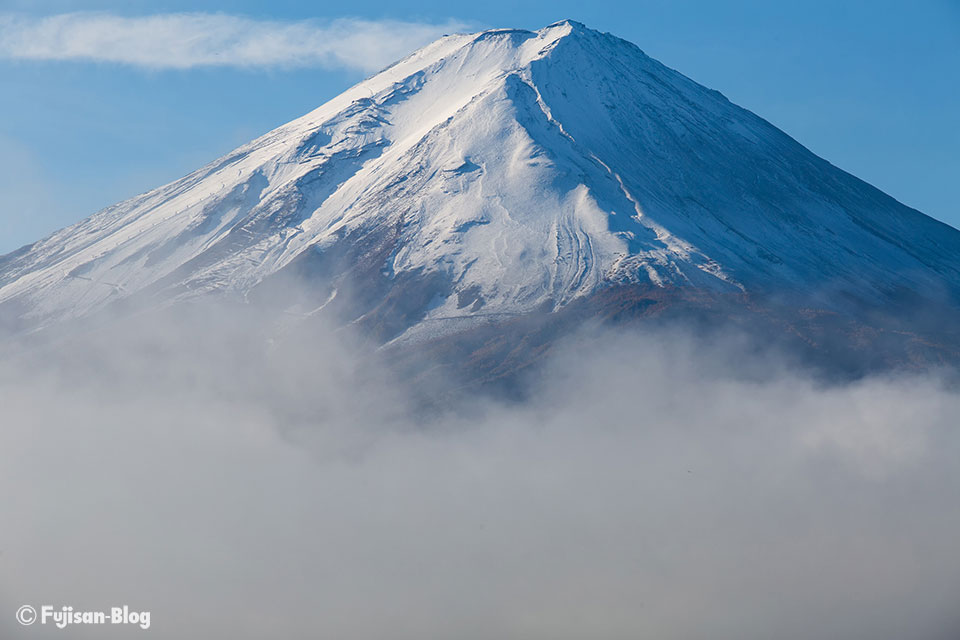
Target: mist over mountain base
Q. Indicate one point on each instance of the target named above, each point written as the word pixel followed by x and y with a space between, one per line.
pixel 244 475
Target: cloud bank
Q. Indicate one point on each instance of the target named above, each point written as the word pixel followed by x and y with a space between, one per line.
pixel 239 485
pixel 189 40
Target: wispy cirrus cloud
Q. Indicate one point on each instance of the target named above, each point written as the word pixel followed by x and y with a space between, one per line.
pixel 189 40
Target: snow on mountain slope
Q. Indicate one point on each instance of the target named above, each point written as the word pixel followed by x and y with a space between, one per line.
pixel 517 169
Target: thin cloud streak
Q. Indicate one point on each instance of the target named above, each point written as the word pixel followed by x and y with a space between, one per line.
pixel 190 40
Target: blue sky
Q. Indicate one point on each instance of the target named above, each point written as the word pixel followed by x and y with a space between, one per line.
pixel 90 119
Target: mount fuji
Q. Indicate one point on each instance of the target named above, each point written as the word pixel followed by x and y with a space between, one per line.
pixel 496 176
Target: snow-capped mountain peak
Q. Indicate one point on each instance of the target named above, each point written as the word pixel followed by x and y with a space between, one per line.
pixel 496 173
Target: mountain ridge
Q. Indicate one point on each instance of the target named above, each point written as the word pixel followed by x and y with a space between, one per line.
pixel 503 172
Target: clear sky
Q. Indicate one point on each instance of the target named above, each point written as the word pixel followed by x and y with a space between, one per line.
pixel 100 106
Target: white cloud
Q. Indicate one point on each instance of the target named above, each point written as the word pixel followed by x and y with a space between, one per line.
pixel 187 40
pixel 645 490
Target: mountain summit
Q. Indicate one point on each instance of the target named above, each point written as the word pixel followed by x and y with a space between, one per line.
pixel 491 175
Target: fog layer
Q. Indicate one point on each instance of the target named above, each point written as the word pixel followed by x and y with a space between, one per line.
pixel 242 482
